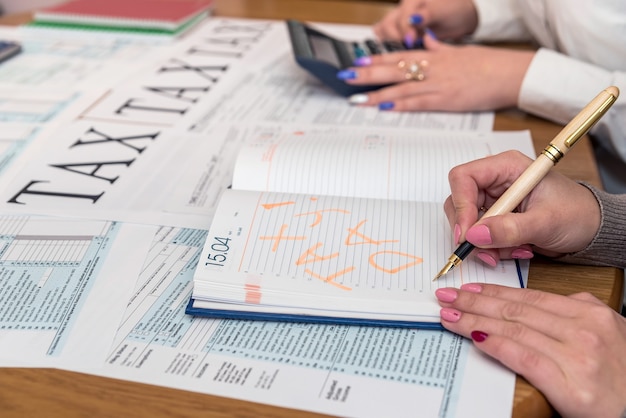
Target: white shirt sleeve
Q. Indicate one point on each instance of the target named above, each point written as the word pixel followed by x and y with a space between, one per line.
pixel 499 20
pixel 557 87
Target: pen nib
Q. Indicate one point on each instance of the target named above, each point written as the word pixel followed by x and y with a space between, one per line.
pixel 444 270
pixel 453 261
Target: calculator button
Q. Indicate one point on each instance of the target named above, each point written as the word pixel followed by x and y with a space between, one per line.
pixel 373 47
pixel 392 46
pixel 358 50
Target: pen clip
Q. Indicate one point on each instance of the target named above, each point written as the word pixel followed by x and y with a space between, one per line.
pixel 591 119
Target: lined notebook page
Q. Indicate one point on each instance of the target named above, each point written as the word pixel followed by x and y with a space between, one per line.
pixel 388 164
pixel 327 253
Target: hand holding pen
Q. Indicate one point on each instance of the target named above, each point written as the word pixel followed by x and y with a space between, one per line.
pixel 501 183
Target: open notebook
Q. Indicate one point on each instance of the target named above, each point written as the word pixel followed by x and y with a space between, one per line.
pixel 341 226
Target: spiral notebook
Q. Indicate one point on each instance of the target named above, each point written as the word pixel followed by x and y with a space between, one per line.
pixel 164 17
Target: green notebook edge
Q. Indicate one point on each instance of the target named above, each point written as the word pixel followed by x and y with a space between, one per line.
pixel 120 29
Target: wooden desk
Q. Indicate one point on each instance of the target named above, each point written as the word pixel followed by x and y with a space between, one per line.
pixel 57 393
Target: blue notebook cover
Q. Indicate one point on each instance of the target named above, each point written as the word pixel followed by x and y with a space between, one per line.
pixel 328 320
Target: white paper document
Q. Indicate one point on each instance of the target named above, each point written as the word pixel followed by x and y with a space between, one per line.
pixel 61 279
pixel 55 59
pixel 109 181
pixel 337 367
pixel 98 320
pixel 145 174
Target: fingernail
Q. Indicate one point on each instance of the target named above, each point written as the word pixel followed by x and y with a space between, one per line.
pixel 430 33
pixel 363 61
pixel 415 19
pixel 446 294
pixel 457 234
pixel 479 336
pixel 450 315
pixel 386 106
pixel 487 258
pixel 522 253
pixel 358 99
pixel 479 235
pixel 408 40
pixel 472 287
pixel 346 75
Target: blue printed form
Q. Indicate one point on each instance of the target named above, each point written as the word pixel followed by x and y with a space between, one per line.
pixel 49 270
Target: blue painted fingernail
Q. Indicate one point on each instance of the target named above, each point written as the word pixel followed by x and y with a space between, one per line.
pixel 363 61
pixel 430 33
pixel 408 40
pixel 415 19
pixel 346 75
pixel 385 105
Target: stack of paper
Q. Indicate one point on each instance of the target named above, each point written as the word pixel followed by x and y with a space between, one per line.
pixel 151 17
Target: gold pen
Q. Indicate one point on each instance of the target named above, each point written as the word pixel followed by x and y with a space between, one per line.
pixel 548 158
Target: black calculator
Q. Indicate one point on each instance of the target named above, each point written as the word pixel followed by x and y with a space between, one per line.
pixel 324 56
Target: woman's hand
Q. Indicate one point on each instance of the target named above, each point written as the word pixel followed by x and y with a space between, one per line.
pixel 571 348
pixel 450 20
pixel 456 78
pixel 559 215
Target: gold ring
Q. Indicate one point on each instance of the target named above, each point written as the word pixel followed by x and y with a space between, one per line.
pixel 413 70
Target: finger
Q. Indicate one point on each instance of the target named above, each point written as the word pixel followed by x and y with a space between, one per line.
pixel 521 252
pixel 427 100
pixel 587 297
pixel 465 324
pixel 392 58
pixel 520 348
pixel 378 74
pixel 402 96
pixel 387 28
pixel 509 230
pixel 405 11
pixel 532 361
pixel 481 182
pixel 513 314
pixel 554 304
pixel 487 256
pixel 431 44
pixel 450 211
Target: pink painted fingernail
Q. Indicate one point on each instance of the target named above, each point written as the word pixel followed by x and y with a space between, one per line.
pixel 457 234
pixel 522 253
pixel 446 295
pixel 479 336
pixel 450 315
pixel 472 287
pixel 479 235
pixel 487 258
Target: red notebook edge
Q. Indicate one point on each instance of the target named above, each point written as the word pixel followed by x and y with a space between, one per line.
pixel 145 13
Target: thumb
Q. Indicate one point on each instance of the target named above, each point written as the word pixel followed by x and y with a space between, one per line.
pixel 508 230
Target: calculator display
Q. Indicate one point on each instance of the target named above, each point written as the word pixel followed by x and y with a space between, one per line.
pixel 324 49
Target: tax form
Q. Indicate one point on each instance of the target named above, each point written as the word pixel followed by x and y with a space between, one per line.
pixel 121 306
pixel 116 318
